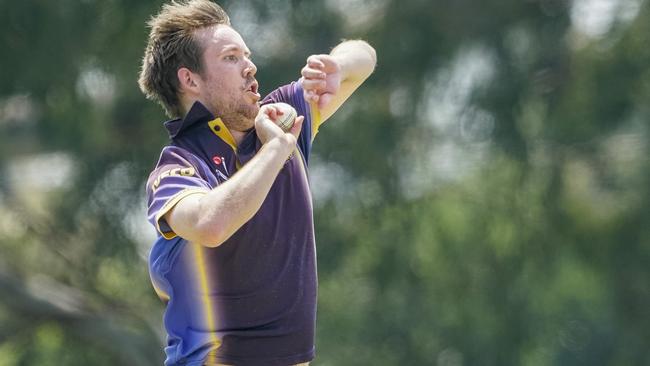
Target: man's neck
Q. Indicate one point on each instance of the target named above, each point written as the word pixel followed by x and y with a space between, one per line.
pixel 237 135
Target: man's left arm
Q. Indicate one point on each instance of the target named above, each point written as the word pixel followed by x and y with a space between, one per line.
pixel 329 80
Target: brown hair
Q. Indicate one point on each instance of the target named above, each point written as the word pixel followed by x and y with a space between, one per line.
pixel 172 44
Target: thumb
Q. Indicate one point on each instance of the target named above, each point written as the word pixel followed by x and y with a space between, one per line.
pixel 297 126
pixel 324 100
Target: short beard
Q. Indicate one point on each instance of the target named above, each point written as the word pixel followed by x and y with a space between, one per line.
pixel 239 118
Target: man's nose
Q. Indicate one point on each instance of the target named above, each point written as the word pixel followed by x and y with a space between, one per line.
pixel 250 69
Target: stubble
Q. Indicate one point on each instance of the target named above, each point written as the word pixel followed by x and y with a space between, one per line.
pixel 235 113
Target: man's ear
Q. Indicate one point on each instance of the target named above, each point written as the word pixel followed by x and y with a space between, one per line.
pixel 188 81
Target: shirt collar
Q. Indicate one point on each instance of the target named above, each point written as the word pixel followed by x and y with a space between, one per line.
pixel 197 114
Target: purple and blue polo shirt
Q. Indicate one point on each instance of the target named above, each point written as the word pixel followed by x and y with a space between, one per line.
pixel 251 300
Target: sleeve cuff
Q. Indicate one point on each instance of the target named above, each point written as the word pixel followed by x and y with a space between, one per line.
pixel 169 205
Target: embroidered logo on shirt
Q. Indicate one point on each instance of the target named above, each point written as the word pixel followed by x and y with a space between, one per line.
pixel 186 172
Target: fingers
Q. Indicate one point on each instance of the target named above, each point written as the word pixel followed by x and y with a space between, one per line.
pixel 268 110
pixel 314 80
pixel 320 76
pixel 297 126
pixel 272 111
pixel 265 125
pixel 314 85
pixel 325 63
pixel 311 96
pixel 267 128
pixel 312 73
pixel 315 61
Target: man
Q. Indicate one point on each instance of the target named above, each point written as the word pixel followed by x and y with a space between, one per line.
pixel 235 256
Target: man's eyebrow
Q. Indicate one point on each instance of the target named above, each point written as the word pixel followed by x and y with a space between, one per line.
pixel 236 48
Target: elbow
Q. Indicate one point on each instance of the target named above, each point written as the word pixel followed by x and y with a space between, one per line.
pixel 210 241
pixel 373 55
pixel 366 60
pixel 369 65
pixel 209 235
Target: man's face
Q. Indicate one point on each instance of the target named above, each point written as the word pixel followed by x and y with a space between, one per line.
pixel 229 85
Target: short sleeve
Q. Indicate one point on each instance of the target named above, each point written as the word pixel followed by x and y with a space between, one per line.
pixel 293 94
pixel 176 176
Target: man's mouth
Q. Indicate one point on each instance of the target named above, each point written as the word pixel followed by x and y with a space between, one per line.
pixel 252 89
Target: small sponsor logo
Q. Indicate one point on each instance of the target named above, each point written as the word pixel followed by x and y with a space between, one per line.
pixel 220 161
pixel 186 172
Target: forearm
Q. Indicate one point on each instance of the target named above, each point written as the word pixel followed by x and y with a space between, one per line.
pixel 356 58
pixel 212 218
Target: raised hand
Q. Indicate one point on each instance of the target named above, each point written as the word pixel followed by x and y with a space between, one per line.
pixel 321 79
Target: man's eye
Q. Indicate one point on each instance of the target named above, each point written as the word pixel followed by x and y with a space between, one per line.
pixel 231 58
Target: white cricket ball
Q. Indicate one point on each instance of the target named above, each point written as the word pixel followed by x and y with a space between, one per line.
pixel 288 117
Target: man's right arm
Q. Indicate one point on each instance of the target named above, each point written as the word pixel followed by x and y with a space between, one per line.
pixel 210 219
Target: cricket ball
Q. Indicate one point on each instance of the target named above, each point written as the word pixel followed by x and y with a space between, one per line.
pixel 288 117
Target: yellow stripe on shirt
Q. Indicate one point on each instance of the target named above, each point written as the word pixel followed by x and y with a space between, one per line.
pixel 202 275
pixel 316 120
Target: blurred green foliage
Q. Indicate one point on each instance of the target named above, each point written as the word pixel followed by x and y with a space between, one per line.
pixel 482 200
